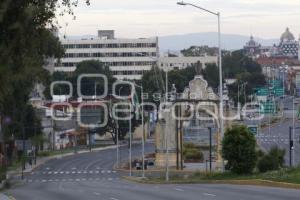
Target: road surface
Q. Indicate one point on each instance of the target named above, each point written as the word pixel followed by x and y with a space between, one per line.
pixel 91 176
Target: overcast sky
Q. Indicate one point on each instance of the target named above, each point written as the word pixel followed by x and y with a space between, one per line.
pixel 144 18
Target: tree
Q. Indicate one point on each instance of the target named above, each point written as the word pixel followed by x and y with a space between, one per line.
pixel 211 75
pixel 238 148
pixel 26 40
pixel 271 161
pixel 153 83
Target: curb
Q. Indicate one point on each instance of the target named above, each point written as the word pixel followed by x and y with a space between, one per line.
pixel 46 159
pixel 254 182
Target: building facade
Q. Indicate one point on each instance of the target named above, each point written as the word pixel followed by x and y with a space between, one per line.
pixel 127 58
pixel 287 48
pixel 288 45
pixel 171 63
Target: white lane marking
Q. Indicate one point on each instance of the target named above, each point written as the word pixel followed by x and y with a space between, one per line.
pixel 207 194
pixel 67 172
pixel 50 172
pixel 114 172
pixel 73 172
pixel 74 168
pixel 47 168
pixel 55 172
pixel 108 171
pixel 178 189
pixel 97 194
pixel 97 172
pixel 91 172
pixel 113 198
pixel 44 181
pixel 79 172
pixel 62 172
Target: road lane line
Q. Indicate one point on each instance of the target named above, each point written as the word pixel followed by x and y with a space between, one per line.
pixel 113 198
pixel 207 194
pixel 178 189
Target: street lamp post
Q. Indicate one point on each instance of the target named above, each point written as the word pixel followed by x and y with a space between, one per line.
pixel 143 132
pixel 218 15
pixel 117 132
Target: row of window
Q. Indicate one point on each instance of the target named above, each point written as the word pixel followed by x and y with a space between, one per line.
pixel 141 72
pixel 113 45
pixel 138 63
pixel 103 55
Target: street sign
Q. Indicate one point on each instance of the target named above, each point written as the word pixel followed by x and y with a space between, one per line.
pixel 262 92
pixel 253 129
pixel 278 91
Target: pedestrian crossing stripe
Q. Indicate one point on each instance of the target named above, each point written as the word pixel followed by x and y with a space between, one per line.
pixel 73 172
pixel 69 180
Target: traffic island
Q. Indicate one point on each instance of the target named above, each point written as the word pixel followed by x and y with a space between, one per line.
pixel 284 178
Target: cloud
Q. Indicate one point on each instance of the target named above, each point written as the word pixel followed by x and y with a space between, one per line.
pixel 143 18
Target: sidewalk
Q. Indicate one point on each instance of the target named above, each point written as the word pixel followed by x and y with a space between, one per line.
pixel 42 160
pixel 4 197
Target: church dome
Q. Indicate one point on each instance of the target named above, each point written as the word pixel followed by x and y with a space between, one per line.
pixel 287 36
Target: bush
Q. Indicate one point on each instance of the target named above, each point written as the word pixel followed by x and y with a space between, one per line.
pixel 192 152
pixel 271 161
pixel 238 148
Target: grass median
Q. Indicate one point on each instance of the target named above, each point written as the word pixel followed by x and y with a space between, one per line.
pixel 287 178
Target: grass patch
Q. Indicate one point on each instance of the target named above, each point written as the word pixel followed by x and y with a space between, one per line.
pixel 291 176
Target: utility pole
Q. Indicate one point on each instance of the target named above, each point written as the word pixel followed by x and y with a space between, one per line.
pixel 130 143
pixel 210 149
pixel 291 147
pixel 23 159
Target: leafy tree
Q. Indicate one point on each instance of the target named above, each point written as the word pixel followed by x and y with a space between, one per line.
pixel 153 82
pixel 211 75
pixel 238 148
pixel 200 51
pixel 26 40
pixel 271 161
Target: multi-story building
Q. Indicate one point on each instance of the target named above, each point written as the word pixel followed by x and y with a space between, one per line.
pixel 288 48
pixel 288 45
pixel 181 62
pixel 127 58
pixel 252 48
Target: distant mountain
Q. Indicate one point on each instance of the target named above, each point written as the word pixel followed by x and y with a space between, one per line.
pixel 229 41
pixel 179 42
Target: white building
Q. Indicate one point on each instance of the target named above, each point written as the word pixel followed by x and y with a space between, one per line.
pixel 171 63
pixel 127 58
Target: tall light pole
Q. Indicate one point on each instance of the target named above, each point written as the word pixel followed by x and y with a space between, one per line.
pixel 143 132
pixel 117 132
pixel 218 15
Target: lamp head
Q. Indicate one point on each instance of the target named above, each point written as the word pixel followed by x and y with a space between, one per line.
pixel 181 3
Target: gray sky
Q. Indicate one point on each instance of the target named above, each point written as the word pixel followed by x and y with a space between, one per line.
pixel 144 18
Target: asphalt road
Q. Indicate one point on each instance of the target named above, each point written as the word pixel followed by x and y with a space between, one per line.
pixel 91 176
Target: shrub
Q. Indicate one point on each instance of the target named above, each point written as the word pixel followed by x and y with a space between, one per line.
pixel 238 148
pixel 271 161
pixel 192 152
